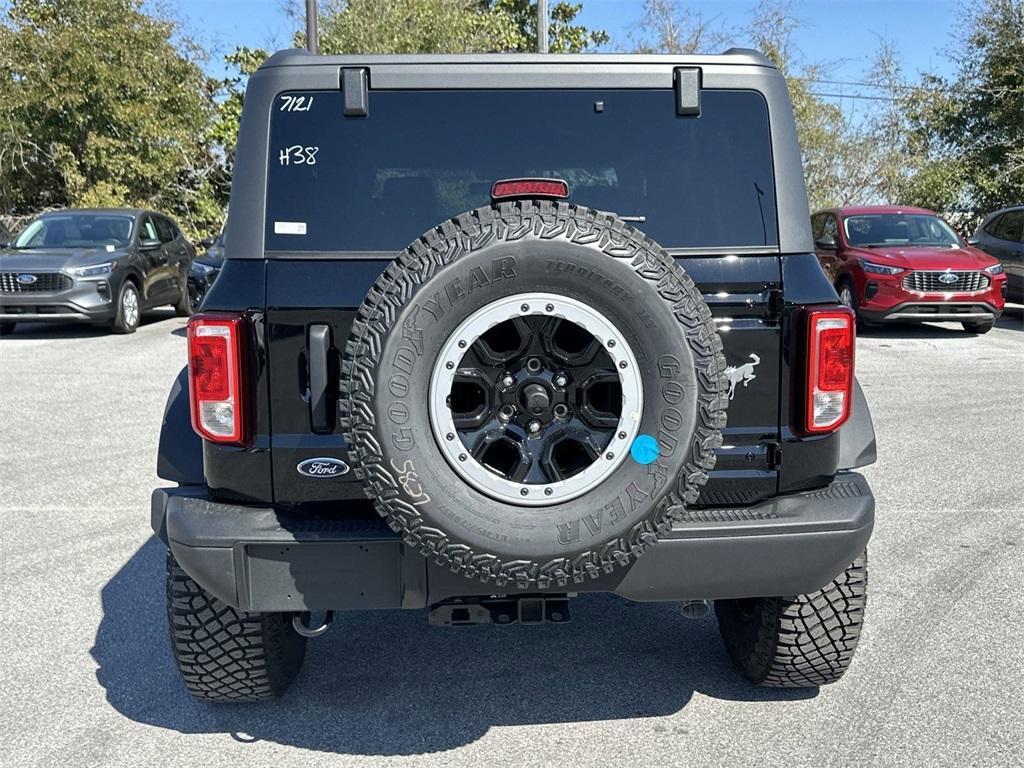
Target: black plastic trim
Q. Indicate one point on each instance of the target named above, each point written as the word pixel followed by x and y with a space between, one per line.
pixel 687 87
pixel 261 559
pixel 857 435
pixel 179 456
pixel 355 88
pixel 320 415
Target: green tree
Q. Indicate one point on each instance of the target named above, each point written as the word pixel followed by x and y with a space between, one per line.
pixel 832 146
pixel 224 131
pixel 104 105
pixel 666 27
pixel 446 26
pixel 905 156
pixel 564 34
pixel 972 125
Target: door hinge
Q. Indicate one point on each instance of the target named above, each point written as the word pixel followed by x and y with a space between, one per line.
pixel 776 303
pixel 774 454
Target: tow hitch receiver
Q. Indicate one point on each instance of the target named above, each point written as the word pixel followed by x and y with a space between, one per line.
pixel 501 610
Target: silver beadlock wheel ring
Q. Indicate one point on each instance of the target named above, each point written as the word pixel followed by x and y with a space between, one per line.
pixel 539 407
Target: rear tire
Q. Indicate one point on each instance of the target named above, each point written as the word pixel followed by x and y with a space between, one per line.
pixel 224 654
pixel 184 306
pixel 7 328
pixel 797 642
pixel 978 328
pixel 848 298
pixel 129 309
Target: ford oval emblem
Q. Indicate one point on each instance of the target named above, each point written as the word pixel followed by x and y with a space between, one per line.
pixel 948 278
pixel 27 279
pixel 322 466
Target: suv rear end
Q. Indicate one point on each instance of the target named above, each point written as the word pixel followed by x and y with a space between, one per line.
pixel 685 203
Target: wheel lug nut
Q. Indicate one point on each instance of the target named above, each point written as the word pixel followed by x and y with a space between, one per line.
pixel 561 380
pixel 506 412
pixel 507 380
pixel 561 410
pixel 534 427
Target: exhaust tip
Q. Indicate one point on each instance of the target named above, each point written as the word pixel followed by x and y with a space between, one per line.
pixel 695 609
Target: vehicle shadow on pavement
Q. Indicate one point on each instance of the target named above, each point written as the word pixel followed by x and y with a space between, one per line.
pixel 1011 319
pixel 386 683
pixel 82 330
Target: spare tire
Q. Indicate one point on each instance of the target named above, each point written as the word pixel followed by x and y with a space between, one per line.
pixel 533 391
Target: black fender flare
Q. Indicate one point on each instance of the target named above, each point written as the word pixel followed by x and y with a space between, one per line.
pixel 857 435
pixel 180 453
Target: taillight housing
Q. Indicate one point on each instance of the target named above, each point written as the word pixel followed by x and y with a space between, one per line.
pixel 509 189
pixel 829 377
pixel 216 377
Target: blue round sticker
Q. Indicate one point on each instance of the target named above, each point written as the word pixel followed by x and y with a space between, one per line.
pixel 644 449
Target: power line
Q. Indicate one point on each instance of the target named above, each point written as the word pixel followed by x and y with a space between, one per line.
pixel 889 86
pixel 852 96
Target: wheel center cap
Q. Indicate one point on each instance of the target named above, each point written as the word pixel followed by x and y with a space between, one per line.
pixel 535 398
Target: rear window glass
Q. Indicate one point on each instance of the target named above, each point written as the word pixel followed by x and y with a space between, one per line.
pixel 376 183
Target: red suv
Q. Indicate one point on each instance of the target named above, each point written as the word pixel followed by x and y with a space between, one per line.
pixel 892 264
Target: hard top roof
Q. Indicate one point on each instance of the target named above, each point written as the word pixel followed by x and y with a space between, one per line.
pixel 296 57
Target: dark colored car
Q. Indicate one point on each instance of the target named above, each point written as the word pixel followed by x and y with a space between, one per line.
pixel 101 266
pixel 902 264
pixel 1001 235
pixel 480 367
pixel 205 269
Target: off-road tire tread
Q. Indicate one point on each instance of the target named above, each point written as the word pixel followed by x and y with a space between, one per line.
pixel 802 641
pixel 226 655
pixel 439 247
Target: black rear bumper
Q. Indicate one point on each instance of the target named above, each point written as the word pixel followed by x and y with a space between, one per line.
pixel 259 559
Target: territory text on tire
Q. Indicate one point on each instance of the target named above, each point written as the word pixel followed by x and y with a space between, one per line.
pixel 224 654
pixel 535 390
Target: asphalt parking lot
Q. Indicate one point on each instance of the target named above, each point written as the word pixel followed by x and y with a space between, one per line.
pixel 88 679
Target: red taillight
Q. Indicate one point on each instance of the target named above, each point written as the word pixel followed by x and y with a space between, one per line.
pixel 510 188
pixel 215 377
pixel 830 347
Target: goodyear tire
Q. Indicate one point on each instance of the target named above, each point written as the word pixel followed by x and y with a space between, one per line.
pixel 534 392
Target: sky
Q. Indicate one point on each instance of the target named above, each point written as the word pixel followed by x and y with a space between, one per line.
pixel 842 33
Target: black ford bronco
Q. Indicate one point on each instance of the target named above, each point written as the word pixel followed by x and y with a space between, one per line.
pixel 493 331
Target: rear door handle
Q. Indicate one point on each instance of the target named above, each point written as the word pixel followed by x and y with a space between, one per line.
pixel 319 378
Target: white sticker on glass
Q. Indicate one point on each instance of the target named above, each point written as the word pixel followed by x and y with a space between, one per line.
pixel 289 227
